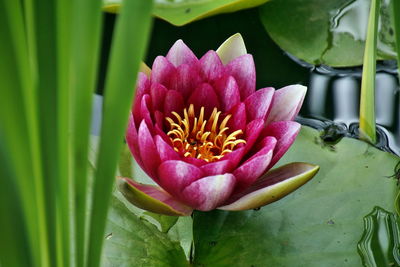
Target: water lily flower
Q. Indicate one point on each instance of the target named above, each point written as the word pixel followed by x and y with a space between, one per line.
pixel 207 137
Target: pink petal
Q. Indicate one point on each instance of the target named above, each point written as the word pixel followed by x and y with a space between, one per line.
pixel 162 134
pixel 235 156
pixel 175 175
pixel 204 96
pixel 144 109
pixel 258 103
pixel 253 130
pixel 152 198
pixel 272 186
pixel 228 93
pixel 181 54
pixel 285 132
pixel 162 71
pixel 244 71
pixel 209 192
pixel 185 79
pixel 157 93
pixel 194 161
pixel 132 140
pixel 217 167
pixel 255 166
pixel 142 87
pixel 238 120
pixel 148 150
pixel 165 150
pixel 211 66
pixel 159 118
pixel 286 103
pixel 173 102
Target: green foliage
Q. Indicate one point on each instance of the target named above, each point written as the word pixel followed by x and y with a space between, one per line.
pixel 48 71
pixel 327 32
pixel 319 224
pixel 380 244
pixel 181 12
pixel 326 212
pixel 396 19
pixel 367 98
pixel 134 241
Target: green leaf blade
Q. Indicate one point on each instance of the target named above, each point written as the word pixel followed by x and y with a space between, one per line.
pixel 85 47
pixel 367 98
pixel 129 45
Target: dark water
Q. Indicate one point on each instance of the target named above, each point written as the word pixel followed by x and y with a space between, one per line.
pixel 332 101
pixel 333 97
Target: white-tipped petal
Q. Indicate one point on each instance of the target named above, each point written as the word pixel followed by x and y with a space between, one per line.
pixel 232 48
pixel 273 186
pixel 286 103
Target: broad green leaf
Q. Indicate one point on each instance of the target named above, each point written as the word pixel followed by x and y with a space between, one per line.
pixel 327 32
pixel 320 224
pixel 166 222
pixel 273 67
pixel 182 232
pixel 181 12
pixel 132 241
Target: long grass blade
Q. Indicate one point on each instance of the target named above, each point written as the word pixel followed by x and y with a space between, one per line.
pixel 84 61
pixel 18 136
pixel 64 193
pixel 130 39
pixel 14 248
pixel 45 32
pixel 367 101
pixel 396 25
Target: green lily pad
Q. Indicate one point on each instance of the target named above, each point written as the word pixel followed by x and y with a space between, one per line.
pixel 181 12
pixel 320 224
pixel 135 237
pixel 134 241
pixel 327 32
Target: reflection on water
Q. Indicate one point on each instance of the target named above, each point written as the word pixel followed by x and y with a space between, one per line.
pixel 352 19
pixel 334 94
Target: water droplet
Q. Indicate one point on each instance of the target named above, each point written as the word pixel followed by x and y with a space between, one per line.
pixel 109 236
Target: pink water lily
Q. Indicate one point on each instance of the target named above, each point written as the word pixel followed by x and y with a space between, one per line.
pixel 207 138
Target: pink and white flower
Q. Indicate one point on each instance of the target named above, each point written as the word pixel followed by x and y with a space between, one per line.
pixel 203 133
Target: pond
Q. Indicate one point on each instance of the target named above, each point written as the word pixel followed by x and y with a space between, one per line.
pixel 322 223
pixel 199 133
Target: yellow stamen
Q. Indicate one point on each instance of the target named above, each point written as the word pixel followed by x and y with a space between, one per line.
pixel 200 138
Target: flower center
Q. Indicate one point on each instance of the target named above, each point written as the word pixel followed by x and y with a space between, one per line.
pixel 200 138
